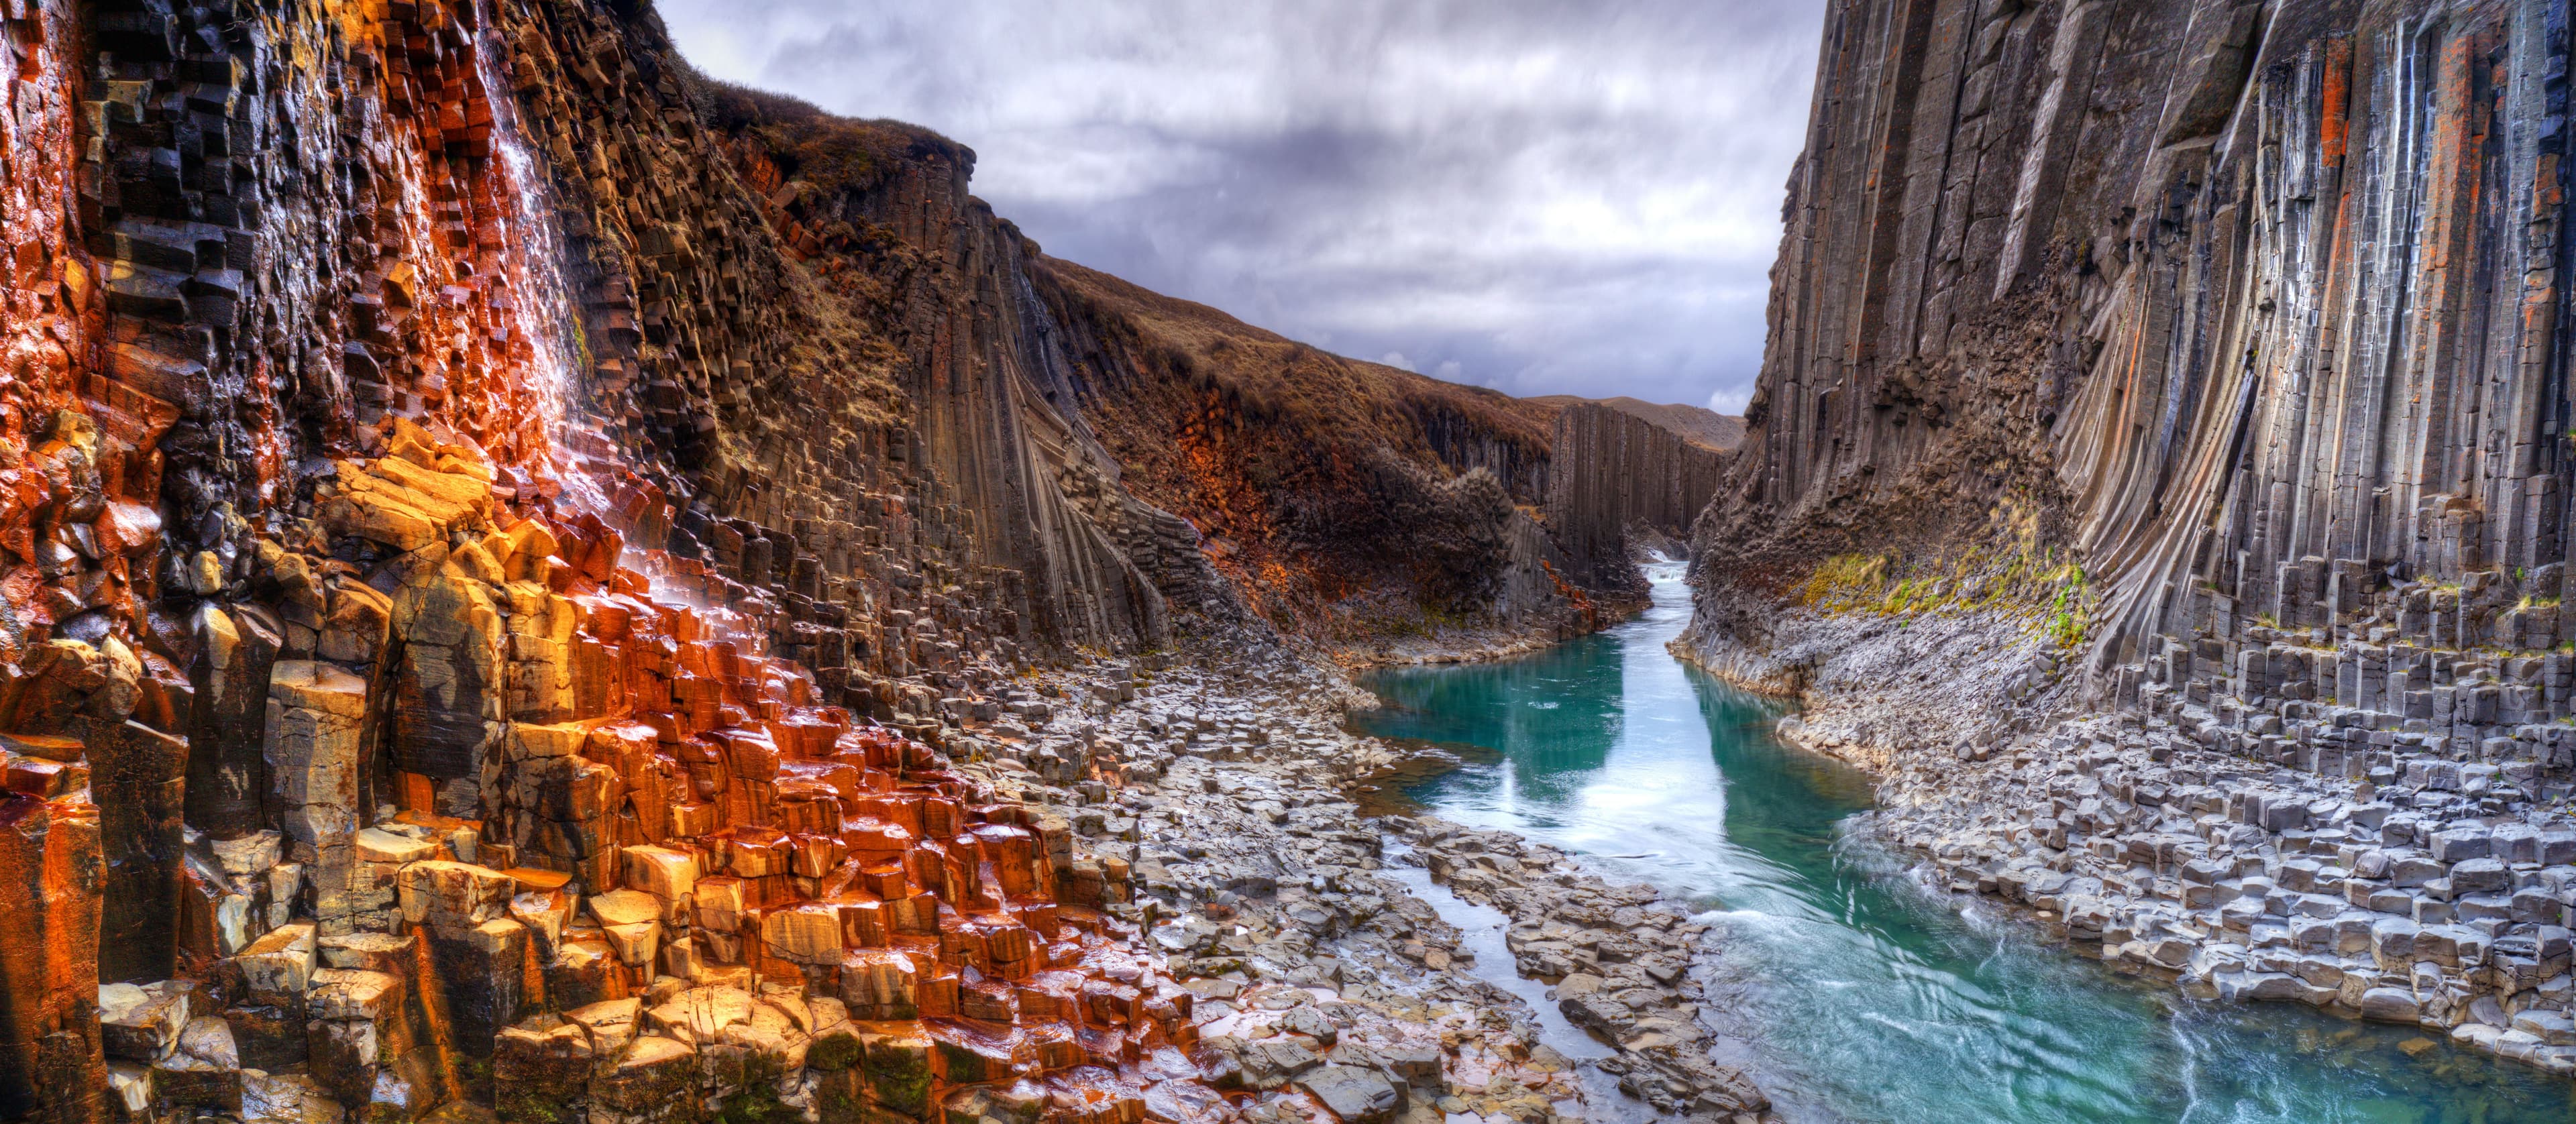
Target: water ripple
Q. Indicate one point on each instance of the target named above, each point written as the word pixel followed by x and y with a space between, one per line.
pixel 1868 996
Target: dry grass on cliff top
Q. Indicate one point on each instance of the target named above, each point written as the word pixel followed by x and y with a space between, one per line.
pixel 1698 425
pixel 1278 375
pixel 831 152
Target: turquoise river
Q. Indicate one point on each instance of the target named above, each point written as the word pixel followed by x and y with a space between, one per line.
pixel 1856 993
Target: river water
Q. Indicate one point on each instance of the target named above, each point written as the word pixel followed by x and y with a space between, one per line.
pixel 1859 994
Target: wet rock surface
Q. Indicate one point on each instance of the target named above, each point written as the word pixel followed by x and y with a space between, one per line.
pixel 2353 861
pixel 2248 836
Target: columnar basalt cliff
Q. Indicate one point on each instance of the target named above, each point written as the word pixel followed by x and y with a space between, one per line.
pixel 515 560
pixel 1345 499
pixel 1625 485
pixel 2201 363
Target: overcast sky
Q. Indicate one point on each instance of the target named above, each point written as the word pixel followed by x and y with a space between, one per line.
pixel 1543 196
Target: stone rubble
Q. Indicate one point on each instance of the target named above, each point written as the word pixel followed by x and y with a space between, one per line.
pixel 1619 960
pixel 503 541
pixel 2363 817
pixel 1221 799
pixel 687 885
pixel 628 870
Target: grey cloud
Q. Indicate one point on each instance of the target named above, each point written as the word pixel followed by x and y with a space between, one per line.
pixel 1540 196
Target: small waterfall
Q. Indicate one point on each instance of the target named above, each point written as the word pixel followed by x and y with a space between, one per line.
pixel 539 308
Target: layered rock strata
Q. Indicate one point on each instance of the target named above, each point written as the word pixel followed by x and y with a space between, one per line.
pixel 2200 363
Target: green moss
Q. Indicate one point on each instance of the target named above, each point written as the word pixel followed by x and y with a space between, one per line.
pixel 835 1049
pixel 898 1072
pixel 2015 577
pixel 2070 612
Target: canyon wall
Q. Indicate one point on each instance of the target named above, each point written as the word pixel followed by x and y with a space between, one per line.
pixel 2253 306
pixel 467 574
pixel 2159 474
pixel 501 539
pixel 1624 485
pixel 1344 499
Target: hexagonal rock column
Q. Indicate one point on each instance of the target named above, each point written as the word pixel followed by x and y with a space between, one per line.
pixel 51 1066
pixel 315 715
pixel 138 778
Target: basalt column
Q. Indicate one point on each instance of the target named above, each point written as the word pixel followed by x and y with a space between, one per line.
pixel 1614 473
pixel 2257 307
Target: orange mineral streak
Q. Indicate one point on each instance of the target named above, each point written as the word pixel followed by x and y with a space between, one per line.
pixel 447 317
pixel 630 799
pixel 2334 113
pixel 50 1063
pixel 701 822
pixel 1573 595
pixel 1208 460
pixel 73 448
pixel 508 767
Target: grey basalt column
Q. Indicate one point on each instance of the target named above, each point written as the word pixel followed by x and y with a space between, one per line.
pixel 227 776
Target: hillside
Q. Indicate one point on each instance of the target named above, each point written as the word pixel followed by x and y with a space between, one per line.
pixel 1344 498
pixel 1698 424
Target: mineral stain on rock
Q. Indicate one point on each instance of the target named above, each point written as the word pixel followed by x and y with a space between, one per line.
pixel 535 582
pixel 532 581
pixel 2157 478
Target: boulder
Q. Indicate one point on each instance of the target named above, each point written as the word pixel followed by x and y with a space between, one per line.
pixel 2390 1005
pixel 1353 1094
pixel 541 1071
pixel 897 1070
pixel 142 1023
pixel 654 1080
pixel 659 871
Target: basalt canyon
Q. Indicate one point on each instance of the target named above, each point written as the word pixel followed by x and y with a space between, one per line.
pixel 538 585
pixel 2159 476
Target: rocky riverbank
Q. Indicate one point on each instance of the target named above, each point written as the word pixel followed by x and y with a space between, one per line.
pixel 1218 794
pixel 1617 958
pixel 2429 895
pixel 2240 835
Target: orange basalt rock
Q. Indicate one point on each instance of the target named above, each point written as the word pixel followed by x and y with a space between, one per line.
pixel 480 622
pixel 51 867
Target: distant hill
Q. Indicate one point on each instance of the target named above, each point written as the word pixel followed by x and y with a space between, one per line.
pixel 1697 424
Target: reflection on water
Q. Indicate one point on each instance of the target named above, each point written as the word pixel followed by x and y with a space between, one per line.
pixel 1866 998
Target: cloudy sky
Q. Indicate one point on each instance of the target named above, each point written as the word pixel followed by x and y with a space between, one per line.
pixel 1543 196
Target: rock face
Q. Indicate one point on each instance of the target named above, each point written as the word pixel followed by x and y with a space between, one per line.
pixel 2258 318
pixel 2198 362
pixel 502 541
pixel 941 281
pixel 1343 499
pixel 1623 485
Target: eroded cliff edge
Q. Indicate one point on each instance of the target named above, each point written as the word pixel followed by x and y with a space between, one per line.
pixel 2195 370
